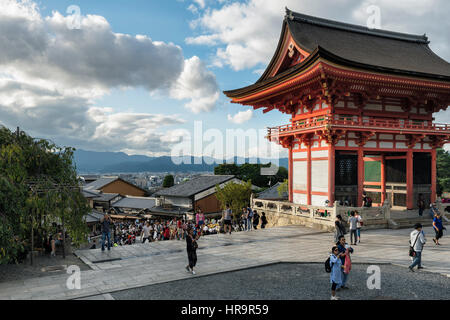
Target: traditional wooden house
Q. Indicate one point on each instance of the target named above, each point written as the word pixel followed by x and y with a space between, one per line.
pixel 115 185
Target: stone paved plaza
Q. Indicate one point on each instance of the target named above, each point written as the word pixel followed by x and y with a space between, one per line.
pixel 147 264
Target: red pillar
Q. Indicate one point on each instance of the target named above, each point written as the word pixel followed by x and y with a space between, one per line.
pixel 331 173
pixel 409 180
pixel 291 175
pixel 360 175
pixel 383 181
pixel 433 176
pixel 308 175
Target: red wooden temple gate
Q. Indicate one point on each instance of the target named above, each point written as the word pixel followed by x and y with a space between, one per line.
pixel 361 103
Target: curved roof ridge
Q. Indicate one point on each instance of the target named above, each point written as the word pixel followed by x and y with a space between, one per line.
pixel 295 16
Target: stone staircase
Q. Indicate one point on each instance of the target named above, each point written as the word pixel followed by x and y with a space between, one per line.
pixel 408 218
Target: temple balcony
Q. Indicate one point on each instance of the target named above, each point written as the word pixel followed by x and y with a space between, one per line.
pixel 395 126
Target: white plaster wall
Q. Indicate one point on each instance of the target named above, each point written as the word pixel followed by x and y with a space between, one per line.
pixel 319 153
pixel 299 155
pixel 373 107
pixel 319 176
pixel 400 137
pixel 394 108
pixel 387 136
pixel 299 198
pixel 299 175
pixel 340 104
pixel 318 200
pixel 351 105
pixel 341 143
pixel 370 144
pixel 182 202
pixel 352 143
pixel 386 144
pixel 401 145
pixel 351 135
pixel 426 146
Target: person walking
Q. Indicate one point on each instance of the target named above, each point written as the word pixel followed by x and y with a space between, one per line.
pixel 145 234
pixel 244 218
pixel 417 241
pixel 263 220
pixel 438 227
pixel 255 220
pixel 336 271
pixel 359 224
pixel 433 210
pixel 249 218
pixel 227 219
pixel 353 225
pixel 339 228
pixel 200 218
pixel 421 204
pixel 191 248
pixel 105 222
pixel 345 249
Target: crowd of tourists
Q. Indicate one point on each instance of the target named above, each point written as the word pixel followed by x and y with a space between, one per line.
pixel 119 233
pixel 339 262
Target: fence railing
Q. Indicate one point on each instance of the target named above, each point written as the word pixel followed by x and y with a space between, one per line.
pixel 322 214
pixel 371 123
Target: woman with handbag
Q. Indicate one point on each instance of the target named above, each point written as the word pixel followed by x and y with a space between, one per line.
pixel 191 246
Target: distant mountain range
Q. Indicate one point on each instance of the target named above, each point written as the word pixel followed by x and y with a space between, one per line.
pixel 119 162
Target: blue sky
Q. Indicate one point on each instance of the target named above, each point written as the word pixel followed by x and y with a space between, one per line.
pixel 116 91
pixel 169 21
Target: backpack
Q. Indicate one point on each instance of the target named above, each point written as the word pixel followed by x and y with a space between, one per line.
pixel 327 265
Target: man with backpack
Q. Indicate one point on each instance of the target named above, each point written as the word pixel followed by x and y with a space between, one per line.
pixel 367 201
pixel 417 241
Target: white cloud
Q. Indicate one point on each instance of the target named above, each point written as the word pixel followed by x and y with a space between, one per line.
pixel 247 33
pixel 198 85
pixel 241 117
pixel 52 75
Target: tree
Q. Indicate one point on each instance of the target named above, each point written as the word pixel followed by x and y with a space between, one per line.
pixel 227 169
pixel 236 195
pixel 252 172
pixel 283 188
pixel 443 171
pixel 29 200
pixel 168 181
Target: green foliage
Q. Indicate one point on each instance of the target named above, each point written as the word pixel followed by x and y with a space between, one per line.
pixel 23 159
pixel 283 188
pixel 236 195
pixel 252 172
pixel 168 181
pixel 443 171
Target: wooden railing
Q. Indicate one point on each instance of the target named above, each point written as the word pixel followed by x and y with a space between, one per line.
pixel 372 123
